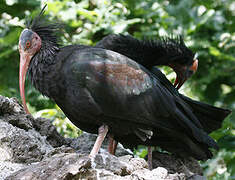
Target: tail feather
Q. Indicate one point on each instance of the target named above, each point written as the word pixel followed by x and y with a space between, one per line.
pixel 196 120
pixel 172 141
pixel 210 117
pixel 197 133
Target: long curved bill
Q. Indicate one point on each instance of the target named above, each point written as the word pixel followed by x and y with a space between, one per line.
pixel 178 83
pixel 24 63
pixel 180 78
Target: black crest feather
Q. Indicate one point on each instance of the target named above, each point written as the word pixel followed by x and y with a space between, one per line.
pixel 48 32
pixel 176 47
pixel 148 52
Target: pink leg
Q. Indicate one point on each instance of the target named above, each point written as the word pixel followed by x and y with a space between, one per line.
pixel 150 158
pixel 99 140
pixel 112 145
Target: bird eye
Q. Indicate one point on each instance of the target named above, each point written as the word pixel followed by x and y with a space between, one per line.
pixel 28 44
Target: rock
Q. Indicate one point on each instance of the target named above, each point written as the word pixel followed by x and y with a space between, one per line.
pixel 47 129
pixel 133 164
pixel 8 168
pixel 110 163
pixel 59 166
pixel 33 149
pixel 188 166
pixel 72 166
pixel 160 172
pixel 59 150
pixel 76 166
pixel 22 146
pixel 10 106
pixel 12 112
pixel 22 121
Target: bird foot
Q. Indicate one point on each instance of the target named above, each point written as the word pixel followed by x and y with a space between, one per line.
pixel 103 130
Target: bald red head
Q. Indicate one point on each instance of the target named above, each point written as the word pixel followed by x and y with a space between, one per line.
pixel 183 72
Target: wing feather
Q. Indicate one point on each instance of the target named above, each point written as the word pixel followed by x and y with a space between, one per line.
pixel 126 91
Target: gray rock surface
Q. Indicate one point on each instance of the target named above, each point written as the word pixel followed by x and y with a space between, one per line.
pixel 188 166
pixel 103 166
pixel 7 168
pixel 33 149
pixel 20 146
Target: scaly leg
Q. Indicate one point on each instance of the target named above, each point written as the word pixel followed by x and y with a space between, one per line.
pixel 99 140
pixel 112 145
pixel 150 159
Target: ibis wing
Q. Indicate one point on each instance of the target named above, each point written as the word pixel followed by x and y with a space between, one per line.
pixel 130 95
pixel 121 87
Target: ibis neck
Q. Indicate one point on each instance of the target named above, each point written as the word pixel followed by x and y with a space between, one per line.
pixel 42 69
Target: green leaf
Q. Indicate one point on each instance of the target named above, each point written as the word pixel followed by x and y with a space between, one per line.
pixel 231 166
pixel 227 142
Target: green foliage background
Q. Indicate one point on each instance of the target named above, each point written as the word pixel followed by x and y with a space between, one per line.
pixel 208 28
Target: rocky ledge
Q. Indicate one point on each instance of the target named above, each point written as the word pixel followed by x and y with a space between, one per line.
pixel 33 149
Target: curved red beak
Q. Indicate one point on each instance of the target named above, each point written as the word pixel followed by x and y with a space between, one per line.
pixel 183 73
pixel 29 44
pixel 24 63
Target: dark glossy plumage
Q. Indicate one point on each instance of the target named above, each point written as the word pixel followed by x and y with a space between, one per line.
pixel 163 51
pixel 166 51
pixel 149 53
pixel 95 86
